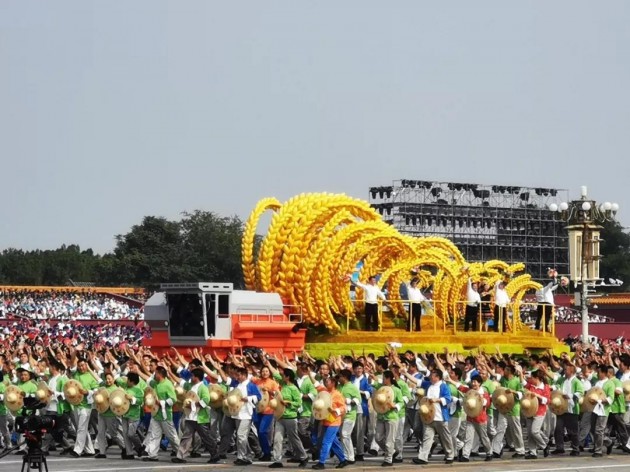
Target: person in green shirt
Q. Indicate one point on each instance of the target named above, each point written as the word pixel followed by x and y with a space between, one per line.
pixel 453 376
pixel 5 436
pixel 353 400
pixel 617 412
pixel 399 441
pixel 26 385
pixel 286 426
pixel 197 421
pixel 489 386
pixel 572 390
pixel 83 443
pixel 131 419
pixel 387 422
pixel 305 414
pixel 511 421
pixel 162 422
pixel 109 424
pixel 601 410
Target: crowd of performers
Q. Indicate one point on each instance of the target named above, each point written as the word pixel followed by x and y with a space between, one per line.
pixel 295 409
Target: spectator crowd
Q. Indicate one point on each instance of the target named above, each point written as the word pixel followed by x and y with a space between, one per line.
pixel 65 305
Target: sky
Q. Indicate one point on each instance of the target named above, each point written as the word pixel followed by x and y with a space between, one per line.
pixel 111 111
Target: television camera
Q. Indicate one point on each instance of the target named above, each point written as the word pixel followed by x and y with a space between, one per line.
pixel 32 427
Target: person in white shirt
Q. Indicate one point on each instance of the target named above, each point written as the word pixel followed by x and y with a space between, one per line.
pixel 415 296
pixel 501 301
pixel 545 308
pixel 371 294
pixel 440 394
pixel 473 302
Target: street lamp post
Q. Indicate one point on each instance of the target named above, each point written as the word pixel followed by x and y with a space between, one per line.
pixel 583 219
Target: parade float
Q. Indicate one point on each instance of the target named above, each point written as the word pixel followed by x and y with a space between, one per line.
pixel 314 241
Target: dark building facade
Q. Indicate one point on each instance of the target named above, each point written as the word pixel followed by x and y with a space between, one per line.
pixel 510 223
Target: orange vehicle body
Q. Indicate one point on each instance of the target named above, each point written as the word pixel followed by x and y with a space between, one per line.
pixel 214 317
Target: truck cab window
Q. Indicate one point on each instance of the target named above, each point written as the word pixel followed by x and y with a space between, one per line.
pixel 211 308
pixel 186 315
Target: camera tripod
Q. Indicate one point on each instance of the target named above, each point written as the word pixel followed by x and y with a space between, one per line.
pixel 32 460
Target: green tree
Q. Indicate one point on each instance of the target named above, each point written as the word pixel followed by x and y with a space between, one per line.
pixel 213 247
pixel 149 254
pixel 615 250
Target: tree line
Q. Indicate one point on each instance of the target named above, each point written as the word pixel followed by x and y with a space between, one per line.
pixel 201 246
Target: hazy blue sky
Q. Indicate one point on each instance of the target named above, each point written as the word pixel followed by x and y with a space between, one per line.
pixel 110 111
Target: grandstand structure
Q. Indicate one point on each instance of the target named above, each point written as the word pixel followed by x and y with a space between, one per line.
pixel 510 223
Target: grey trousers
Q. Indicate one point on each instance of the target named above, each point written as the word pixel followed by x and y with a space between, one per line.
pixel 511 424
pixel 5 436
pixel 399 440
pixel 186 442
pixel 304 431
pixel 386 437
pixel 441 428
pixel 130 435
pixel 412 423
pixel 454 425
pixel 287 427
pixel 549 426
pixel 111 426
pixel 154 436
pixel 536 436
pixel 345 433
pixel 492 422
pixel 358 435
pixel 479 430
pixel 243 430
pixel 371 430
pixel 83 443
pixel 598 428
pixel 584 428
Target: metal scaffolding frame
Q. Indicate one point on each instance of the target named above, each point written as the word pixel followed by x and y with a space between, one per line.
pixel 510 223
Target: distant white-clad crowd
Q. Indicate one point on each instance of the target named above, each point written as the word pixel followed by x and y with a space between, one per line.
pixel 65 306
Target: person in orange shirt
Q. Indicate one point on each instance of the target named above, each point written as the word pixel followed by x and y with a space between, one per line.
pixel 264 420
pixel 331 426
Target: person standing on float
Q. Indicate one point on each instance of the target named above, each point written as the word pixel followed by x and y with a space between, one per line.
pixel 371 295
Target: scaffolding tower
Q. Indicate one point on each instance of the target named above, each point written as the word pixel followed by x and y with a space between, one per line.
pixel 510 223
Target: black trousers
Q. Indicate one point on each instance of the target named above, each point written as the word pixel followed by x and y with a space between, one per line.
pixel 543 309
pixel 371 316
pixel 415 313
pixel 471 317
pixel 568 421
pixel 499 312
pixel 616 424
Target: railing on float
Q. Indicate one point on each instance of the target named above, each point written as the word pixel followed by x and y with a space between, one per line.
pixel 483 316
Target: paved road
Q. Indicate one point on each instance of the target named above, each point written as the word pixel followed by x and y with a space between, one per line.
pixel 613 463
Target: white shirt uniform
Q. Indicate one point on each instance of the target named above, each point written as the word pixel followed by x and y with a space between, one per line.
pixel 548 292
pixel 372 292
pixel 434 392
pixel 415 294
pixel 473 298
pixel 501 297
